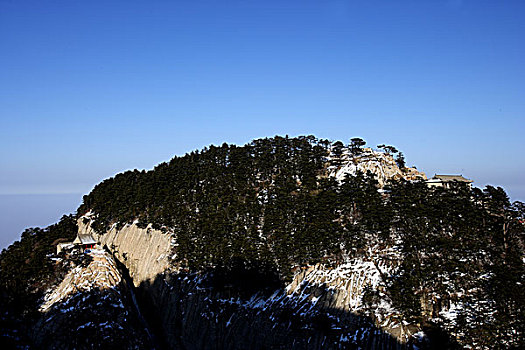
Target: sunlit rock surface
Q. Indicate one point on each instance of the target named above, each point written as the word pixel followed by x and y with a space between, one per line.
pixel 91 308
pixel 381 164
pixel 144 251
pixel 322 307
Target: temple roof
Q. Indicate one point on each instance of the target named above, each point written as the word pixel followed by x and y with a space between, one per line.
pixel 85 239
pixel 451 178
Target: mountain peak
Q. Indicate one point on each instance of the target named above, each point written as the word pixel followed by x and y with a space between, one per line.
pixel 379 163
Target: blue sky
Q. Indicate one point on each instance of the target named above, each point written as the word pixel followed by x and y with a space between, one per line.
pixel 92 88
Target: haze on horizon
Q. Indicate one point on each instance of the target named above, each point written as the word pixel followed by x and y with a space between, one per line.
pixel 90 89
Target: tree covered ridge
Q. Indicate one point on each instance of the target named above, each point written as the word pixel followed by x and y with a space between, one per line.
pixel 25 269
pixel 271 204
pixel 259 202
pixel 26 272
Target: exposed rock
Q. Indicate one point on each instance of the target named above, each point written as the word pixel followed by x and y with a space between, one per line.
pixel 91 308
pixel 321 308
pixel 380 164
pixel 193 315
pixel 101 273
pixel 145 252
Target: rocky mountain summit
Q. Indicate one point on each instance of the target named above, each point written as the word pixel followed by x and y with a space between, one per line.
pixel 381 164
pixel 284 243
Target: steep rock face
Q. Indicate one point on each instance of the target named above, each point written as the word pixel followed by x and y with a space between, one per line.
pixel 321 308
pixel 101 273
pixel 380 164
pixel 194 315
pixel 144 252
pixel 91 306
pixel 340 290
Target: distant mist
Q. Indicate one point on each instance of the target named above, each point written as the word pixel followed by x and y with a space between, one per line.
pixel 19 211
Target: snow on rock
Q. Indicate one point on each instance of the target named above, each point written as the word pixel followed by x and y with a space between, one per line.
pixel 145 252
pixel 90 309
pixel 346 281
pixel 380 164
pixel 100 273
pixel 342 288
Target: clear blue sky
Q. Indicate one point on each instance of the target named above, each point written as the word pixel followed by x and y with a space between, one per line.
pixel 92 88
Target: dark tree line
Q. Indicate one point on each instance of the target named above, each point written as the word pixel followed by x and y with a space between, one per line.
pixel 26 272
pixel 461 246
pixel 24 265
pixel 271 203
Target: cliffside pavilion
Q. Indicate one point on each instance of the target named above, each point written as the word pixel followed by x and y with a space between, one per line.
pixel 85 240
pixel 447 181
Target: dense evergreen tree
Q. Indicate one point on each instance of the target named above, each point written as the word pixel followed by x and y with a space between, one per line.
pixel 24 265
pixel 400 161
pixel 25 273
pixel 271 204
pixel 356 145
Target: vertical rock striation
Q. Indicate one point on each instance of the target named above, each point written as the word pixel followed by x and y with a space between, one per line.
pixel 321 308
pixel 91 308
pixel 144 252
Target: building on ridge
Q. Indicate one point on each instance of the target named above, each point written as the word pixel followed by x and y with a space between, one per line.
pixel 448 181
pixel 85 240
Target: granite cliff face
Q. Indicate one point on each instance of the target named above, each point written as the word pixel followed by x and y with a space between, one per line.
pixel 321 307
pixel 100 273
pixel 381 164
pixel 144 251
pixel 92 305
pixel 283 243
